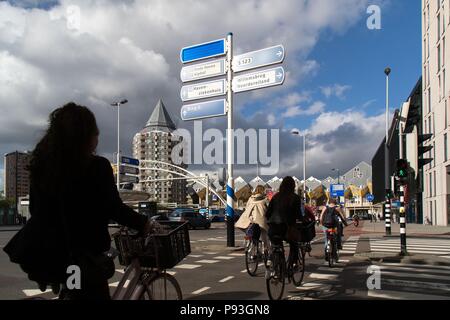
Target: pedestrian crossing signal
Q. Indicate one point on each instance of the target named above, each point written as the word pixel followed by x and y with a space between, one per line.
pixel 402 168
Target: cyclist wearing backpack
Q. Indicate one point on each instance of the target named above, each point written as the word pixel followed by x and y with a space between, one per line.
pixel 329 218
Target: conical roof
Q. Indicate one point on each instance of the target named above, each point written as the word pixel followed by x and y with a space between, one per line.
pixel 160 119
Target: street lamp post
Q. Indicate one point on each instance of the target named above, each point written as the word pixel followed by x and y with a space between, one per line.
pixel 297 132
pixel 117 104
pixel 387 217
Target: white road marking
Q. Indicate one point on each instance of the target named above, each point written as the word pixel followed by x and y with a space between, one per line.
pixel 237 254
pixel 34 292
pixel 224 258
pixel 172 273
pixel 330 269
pixel 418 269
pixel 207 261
pixel 403 295
pixel 323 276
pixel 417 284
pixel 195 255
pixel 120 270
pixel 415 266
pixel 188 266
pixel 344 261
pixel 201 290
pixel 243 271
pixel 211 252
pixel 226 279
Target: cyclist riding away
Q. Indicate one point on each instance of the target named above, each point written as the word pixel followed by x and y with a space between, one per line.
pixel 329 219
pixel 255 213
pixel 284 209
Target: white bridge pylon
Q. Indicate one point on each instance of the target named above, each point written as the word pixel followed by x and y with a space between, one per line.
pixel 146 165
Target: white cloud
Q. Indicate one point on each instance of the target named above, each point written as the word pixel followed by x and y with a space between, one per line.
pixel 335 90
pixel 315 108
pixel 271 120
pixel 131 49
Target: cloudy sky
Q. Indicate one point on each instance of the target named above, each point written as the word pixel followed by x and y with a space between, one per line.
pixel 130 49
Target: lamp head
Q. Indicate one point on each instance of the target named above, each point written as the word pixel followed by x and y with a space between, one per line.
pixel 387 71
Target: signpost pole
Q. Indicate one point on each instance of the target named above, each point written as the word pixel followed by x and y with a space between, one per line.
pixel 230 144
pixel 118 146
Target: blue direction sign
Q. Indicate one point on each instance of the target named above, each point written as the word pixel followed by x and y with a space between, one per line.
pixel 203 110
pixel 259 79
pixel 370 197
pixel 337 190
pixel 130 161
pixel 203 51
pixel 259 58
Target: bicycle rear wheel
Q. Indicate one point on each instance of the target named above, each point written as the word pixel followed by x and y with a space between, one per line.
pixel 298 268
pixel 162 287
pixel 276 279
pixel 252 258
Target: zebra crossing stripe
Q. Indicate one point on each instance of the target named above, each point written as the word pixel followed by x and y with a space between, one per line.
pixel 403 295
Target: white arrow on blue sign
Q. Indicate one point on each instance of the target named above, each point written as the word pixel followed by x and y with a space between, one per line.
pixel 203 51
pixel 130 161
pixel 370 197
pixel 259 58
pixel 259 79
pixel 203 110
pixel 203 90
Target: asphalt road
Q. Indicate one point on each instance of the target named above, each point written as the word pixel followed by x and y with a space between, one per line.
pixel 213 271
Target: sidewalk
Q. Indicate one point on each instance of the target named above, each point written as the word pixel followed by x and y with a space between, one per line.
pixel 10 228
pixel 379 227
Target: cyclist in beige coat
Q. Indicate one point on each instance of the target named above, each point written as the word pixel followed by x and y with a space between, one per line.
pixel 255 212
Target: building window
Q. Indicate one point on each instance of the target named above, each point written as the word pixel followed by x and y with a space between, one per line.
pixel 438 26
pixel 439 57
pixel 445 148
pixel 429 100
pixel 430 179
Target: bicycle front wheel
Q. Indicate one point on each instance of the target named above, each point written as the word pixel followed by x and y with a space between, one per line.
pixel 251 258
pixel 275 277
pixel 298 268
pixel 162 287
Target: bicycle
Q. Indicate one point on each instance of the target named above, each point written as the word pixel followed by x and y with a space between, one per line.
pixel 254 255
pixel 279 269
pixel 331 249
pixel 146 261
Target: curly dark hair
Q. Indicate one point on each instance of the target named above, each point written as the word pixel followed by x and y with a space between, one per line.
pixel 66 148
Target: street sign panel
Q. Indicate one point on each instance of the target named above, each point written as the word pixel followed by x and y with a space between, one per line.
pixel 259 58
pixel 203 90
pixel 130 161
pixel 337 190
pixel 258 80
pixel 203 51
pixel 370 197
pixel 127 179
pixel 203 70
pixel 129 170
pixel 202 110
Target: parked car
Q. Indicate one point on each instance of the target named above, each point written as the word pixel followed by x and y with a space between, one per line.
pixel 193 217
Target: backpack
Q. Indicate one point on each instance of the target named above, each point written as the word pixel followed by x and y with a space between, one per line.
pixel 330 218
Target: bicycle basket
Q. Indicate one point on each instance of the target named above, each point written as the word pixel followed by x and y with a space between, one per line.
pixel 165 250
pixel 128 246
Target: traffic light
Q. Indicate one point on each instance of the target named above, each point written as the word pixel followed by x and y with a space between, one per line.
pixel 402 169
pixel 424 149
pixel 389 194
